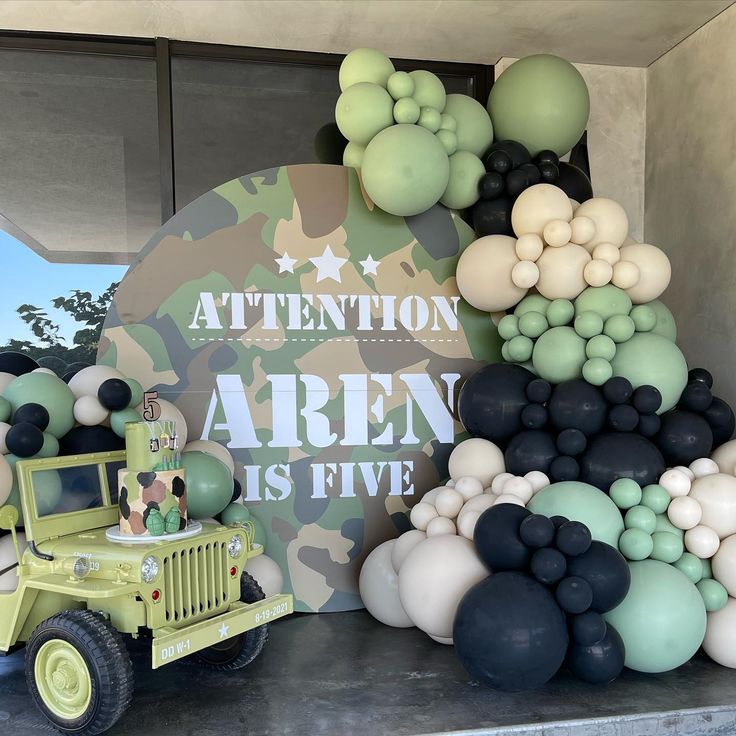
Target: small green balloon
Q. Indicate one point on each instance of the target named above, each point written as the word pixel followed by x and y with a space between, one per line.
pixel 260 532
pixel 559 355
pixel 209 484
pixel 447 122
pixel 662 619
pixel 707 569
pixel 644 318
pixel 400 84
pixel 625 493
pixel 362 111
pixel 533 324
pixel 656 498
pixel 406 111
pixel 118 420
pixel 619 327
pixel 235 513
pixel 353 155
pixel 365 65
pixel 428 90
pixel 430 119
pixel 667 547
pixel 50 447
pixel 520 349
pixel 449 141
pixel 136 392
pixel 640 517
pixel 466 170
pixel 605 300
pixel 5 409
pixel 581 502
pixel 508 327
pixel 665 525
pixel 691 566
pixel 665 325
pixel 713 593
pixel 560 312
pixel 505 354
pixel 601 346
pixel 597 371
pixel 588 324
pixel 474 128
pixel 635 544
pixel 532 303
pixel 48 391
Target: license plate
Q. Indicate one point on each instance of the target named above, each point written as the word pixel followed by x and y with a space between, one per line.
pixel 172 644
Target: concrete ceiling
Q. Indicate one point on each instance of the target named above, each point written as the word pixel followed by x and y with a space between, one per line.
pixel 617 32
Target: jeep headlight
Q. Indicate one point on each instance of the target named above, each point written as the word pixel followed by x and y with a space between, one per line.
pixel 80 568
pixel 149 569
pixel 235 546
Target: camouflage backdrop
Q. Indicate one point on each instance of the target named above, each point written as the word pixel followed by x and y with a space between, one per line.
pixel 306 229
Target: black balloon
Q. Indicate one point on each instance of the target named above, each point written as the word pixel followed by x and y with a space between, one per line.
pixel 516 152
pixel 574 595
pixel 647 399
pixel 574 182
pixel 571 441
pixel 617 390
pixel 702 375
pixel 598 663
pixel 539 390
pixel 237 490
pixel 329 144
pixel 532 449
pixel 532 173
pixel 17 364
pixel 516 182
pixel 547 156
pixel 720 417
pixel 497 537
pixel 623 418
pixel 549 173
pixel 81 440
pixel 576 404
pixel 588 628
pixel 683 437
pixel 609 457
pixel 24 439
pixel 510 633
pixel 563 468
pixel 696 397
pixel 34 414
pixel 499 162
pixel 649 425
pixel 492 399
pixel 114 394
pixel 573 539
pixel 548 566
pixel 534 416
pixel 491 185
pixel 606 571
pixel 558 521
pixel 493 216
pixel 537 531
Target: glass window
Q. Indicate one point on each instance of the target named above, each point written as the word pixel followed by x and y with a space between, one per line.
pixel 67 490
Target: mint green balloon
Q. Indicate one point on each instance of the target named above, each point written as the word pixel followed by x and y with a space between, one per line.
pixel 625 493
pixel 581 502
pixel 597 371
pixel 691 566
pixel 362 111
pixel 655 497
pixel 532 303
pixel 520 349
pixel 209 484
pixel 405 170
pixel 406 111
pixel 505 354
pixel 604 300
pixel 619 327
pixel 136 392
pixel 5 409
pixel 707 569
pixel 533 324
pixel 559 355
pixel 667 547
pixel 644 318
pixel 474 128
pixel 713 593
pixel 365 65
pixel 662 619
pixel 665 324
pixel 601 346
pixel 430 118
pixel 508 327
pixel 50 447
pixel 560 312
pixel 665 525
pixel 352 156
pixel 640 517
pixel 49 391
pixel 428 90
pixel 235 513
pixel 400 84
pixel 466 169
pixel 118 420
pixel 588 324
pixel 448 140
pixel 541 101
pixel 635 544
pixel 649 358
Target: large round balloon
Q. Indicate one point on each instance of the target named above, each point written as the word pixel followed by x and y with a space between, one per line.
pixel 81 440
pixel 362 111
pixel 510 633
pixel 48 391
pixel 493 216
pixel 379 587
pixel 662 620
pixel 466 170
pixel 405 170
pixel 541 101
pixel 365 65
pixel 720 636
pixel 474 129
pixel 683 436
pixel 605 569
pixel 574 182
pixel 209 484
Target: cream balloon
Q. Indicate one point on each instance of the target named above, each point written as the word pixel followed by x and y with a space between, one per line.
pixel 267 573
pixel 684 512
pixel 723 565
pixel 630 241
pixel 478 458
pixel 466 523
pixel 720 635
pixel 725 457
pixel 520 487
pixel 716 495
pixel 557 233
pixel 430 496
pixel 210 447
pixel 529 247
pixel 598 272
pixel 448 641
pixel 6 479
pixel 9 560
pixel 525 274
pixel 655 271
pixel 422 514
pixel 606 252
pixel 379 589
pixel 89 412
pixel 538 480
pixel 609 217
pixel 434 577
pixel 88 381
pixel 538 205
pixel 405 544
pixel 441 525
pixel 483 274
pixel 561 271
pixel 702 541
pixel 625 274
pixel 509 498
pixel 704 466
pixel 448 504
pixel 582 230
pixel 468 487
pixel 499 481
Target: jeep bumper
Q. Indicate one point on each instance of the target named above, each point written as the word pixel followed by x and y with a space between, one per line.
pixel 171 644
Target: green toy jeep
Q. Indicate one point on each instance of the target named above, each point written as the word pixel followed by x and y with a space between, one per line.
pixel 78 592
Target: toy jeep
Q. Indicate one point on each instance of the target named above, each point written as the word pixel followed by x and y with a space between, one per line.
pixel 78 593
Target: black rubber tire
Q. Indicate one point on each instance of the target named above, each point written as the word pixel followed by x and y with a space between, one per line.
pixel 103 650
pixel 241 650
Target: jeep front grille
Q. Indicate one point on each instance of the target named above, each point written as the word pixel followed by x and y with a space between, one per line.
pixel 195 580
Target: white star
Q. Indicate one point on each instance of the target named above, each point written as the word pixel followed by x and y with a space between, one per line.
pixel 224 631
pixel 328 265
pixel 370 266
pixel 285 263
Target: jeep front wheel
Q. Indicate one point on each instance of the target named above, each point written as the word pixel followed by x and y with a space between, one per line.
pixel 79 672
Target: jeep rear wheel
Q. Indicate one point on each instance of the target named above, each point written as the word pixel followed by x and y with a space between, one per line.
pixel 241 650
pixel 79 672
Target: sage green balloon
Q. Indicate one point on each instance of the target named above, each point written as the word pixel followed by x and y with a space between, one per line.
pixel 560 312
pixel 691 566
pixel 474 128
pixel 209 484
pixel 596 370
pixel 625 493
pixel 588 324
pixel 606 301
pixel 235 513
pixel 667 547
pixel 559 355
pixel 48 391
pixel 601 346
pixel 405 170
pixel 641 517
pixel 520 349
pixel 619 327
pixel 713 593
pixel 430 118
pixel 662 619
pixel 665 324
pixel 406 111
pixel 362 111
pixel 581 502
pixel 466 170
pixel 533 324
pixel 532 303
pixel 644 317
pixel 365 65
pixel 260 535
pixel 118 420
pixel 428 90
pixel 655 497
pixel 665 525
pixel 400 84
pixel 353 155
pixel 508 327
pixel 50 447
pixel 447 122
pixel 635 544
pixel 136 392
pixel 448 140
pixel 649 358
pixel 541 101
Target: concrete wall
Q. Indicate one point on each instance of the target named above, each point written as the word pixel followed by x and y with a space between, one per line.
pixel 691 191
pixel 616 135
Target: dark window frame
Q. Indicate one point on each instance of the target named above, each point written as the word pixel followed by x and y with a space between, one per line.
pixel 162 50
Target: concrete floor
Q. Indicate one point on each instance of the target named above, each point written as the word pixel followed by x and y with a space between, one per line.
pixel 343 673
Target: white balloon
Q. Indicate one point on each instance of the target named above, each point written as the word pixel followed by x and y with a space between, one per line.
pixel 48 371
pixel 499 481
pixel 6 479
pixel 720 635
pixel 724 564
pixel 703 466
pixel 267 573
pixel 88 381
pixel 538 480
pixel 520 487
pixel 476 457
pixel 684 512
pixel 210 447
pixel 716 495
pixel 405 544
pixel 702 541
pixel 675 482
pixel 450 483
pixel 8 558
pixel 468 487
pixel 378 585
pixel 422 514
pixel 441 525
pixel 89 411
pixel 442 639
pixel 689 473
pixel 725 457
